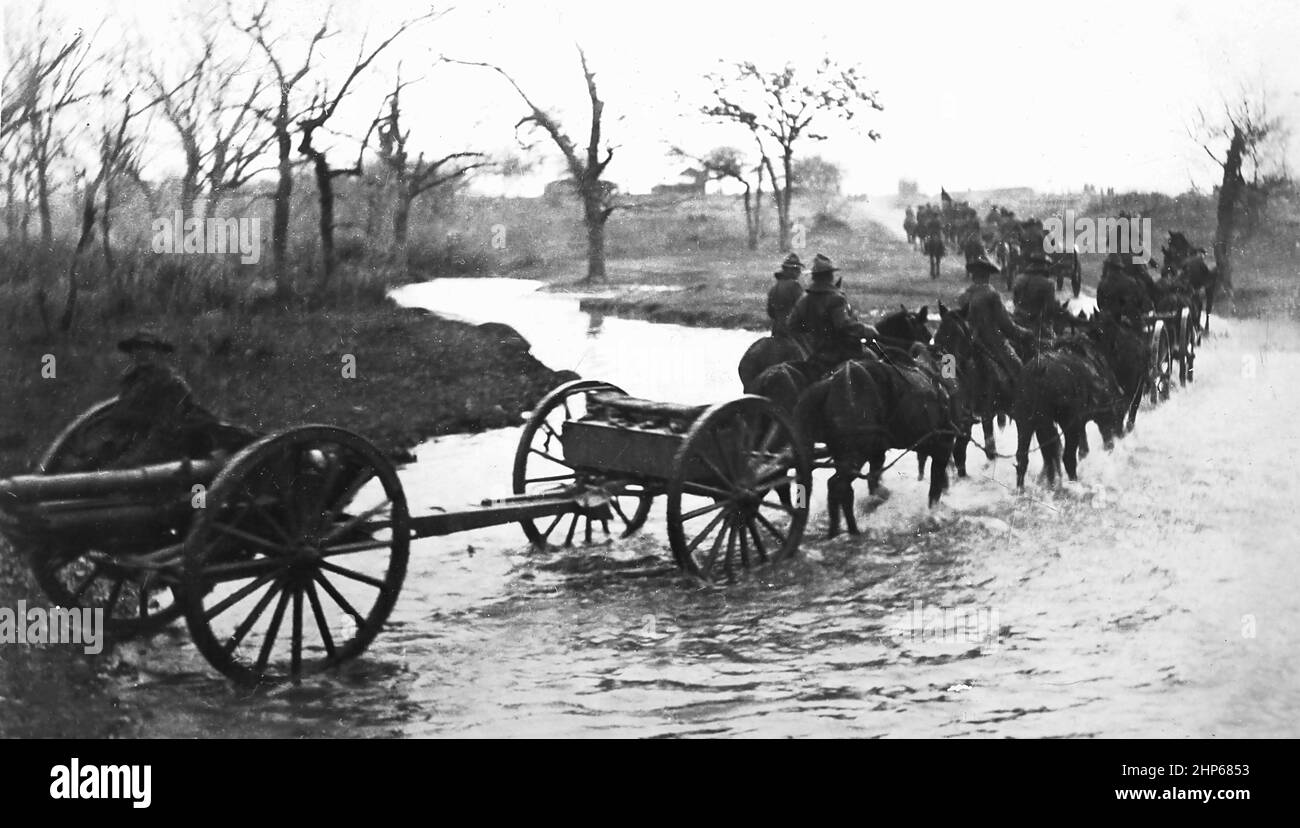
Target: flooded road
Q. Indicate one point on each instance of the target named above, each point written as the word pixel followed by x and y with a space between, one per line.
pixel 1153 598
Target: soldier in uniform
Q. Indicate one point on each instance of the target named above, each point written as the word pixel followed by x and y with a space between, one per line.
pixel 823 320
pixel 156 418
pixel 783 295
pixel 1120 293
pixel 1034 294
pixel 992 329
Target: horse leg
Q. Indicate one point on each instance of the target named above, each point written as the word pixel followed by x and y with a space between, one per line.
pixel 920 466
pixel 1083 440
pixel 1049 445
pixel 1023 432
pixel 990 444
pixel 959 446
pixel 841 483
pixel 834 490
pixel 939 471
pixel 1072 451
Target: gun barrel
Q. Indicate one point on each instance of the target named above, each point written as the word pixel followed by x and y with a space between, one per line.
pixel 31 488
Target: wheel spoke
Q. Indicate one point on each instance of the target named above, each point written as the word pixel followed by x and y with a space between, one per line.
pixel 237 596
pixel 251 619
pixel 771 528
pixel 758 541
pixel 295 656
pixel 704 510
pixel 321 624
pixel 712 557
pixel 338 598
pixel 550 457
pixel 349 573
pixel 551 528
pixel 272 632
pixel 352 522
pixel 573 525
pixel 690 547
pixel 320 507
pixel 552 478
pixel 744 544
pixel 353 548
pixel 789 510
pixel 114 594
pixel 730 476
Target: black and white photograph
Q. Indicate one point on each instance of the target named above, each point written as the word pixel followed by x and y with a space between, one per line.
pixel 564 369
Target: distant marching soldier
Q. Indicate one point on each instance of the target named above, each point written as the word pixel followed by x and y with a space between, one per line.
pixel 1034 294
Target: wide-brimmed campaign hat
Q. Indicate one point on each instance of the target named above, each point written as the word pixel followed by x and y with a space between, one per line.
pixel 790 265
pixel 981 264
pixel 822 267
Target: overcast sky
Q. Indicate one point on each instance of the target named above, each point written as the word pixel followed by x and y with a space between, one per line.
pixel 976 94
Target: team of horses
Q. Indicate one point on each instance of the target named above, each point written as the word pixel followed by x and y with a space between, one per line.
pixel 923 391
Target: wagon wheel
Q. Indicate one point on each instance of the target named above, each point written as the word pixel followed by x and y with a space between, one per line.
pixel 310 523
pixel 724 505
pixel 1187 352
pixel 135 601
pixel 1161 368
pixel 540 465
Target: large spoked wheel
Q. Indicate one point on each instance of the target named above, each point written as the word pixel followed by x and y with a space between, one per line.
pixel 729 503
pixel 311 524
pixel 1187 353
pixel 540 466
pixel 136 601
pixel 1160 371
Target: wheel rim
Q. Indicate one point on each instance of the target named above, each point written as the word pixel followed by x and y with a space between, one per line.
pixel 725 512
pixel 296 561
pixel 540 465
pixel 135 601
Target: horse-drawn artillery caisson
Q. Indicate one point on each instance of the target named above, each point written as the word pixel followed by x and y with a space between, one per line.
pixel 312 523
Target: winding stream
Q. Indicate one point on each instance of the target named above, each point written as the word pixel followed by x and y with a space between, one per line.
pixel 1153 598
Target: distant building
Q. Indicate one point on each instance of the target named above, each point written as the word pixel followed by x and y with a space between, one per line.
pixel 699 179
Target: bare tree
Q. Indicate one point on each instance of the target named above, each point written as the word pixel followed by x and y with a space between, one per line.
pixel 586 168
pixel 41 82
pixel 323 107
pixel 411 180
pixel 281 118
pixel 780 107
pixel 724 163
pixel 1247 127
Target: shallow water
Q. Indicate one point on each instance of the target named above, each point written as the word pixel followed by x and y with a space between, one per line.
pixel 1153 598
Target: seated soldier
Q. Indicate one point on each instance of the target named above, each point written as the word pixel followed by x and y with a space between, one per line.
pixel 1034 294
pixel 783 295
pixel 992 329
pixel 824 322
pixel 1119 293
pixel 156 419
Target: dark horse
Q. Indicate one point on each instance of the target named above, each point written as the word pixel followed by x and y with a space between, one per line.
pixel 866 407
pixel 763 354
pixel 1185 265
pixel 933 247
pixel 986 393
pixel 1096 372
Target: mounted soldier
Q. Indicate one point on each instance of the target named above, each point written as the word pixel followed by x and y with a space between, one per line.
pixel 1034 294
pixel 992 328
pixel 823 320
pixel 1120 293
pixel 783 295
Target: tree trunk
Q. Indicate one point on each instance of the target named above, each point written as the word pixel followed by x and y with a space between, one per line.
pixel 283 194
pixel 751 225
pixel 87 235
pixel 325 188
pixel 402 216
pixel 787 192
pixel 213 200
pixel 1229 198
pixel 105 221
pixel 594 215
pixel 43 199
